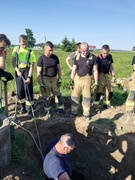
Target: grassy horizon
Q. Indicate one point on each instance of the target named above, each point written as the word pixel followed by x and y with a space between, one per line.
pixel 122 66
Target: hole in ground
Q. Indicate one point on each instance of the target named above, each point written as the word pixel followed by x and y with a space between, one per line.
pixel 77 176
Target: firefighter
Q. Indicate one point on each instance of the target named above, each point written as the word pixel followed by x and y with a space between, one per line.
pixel 130 102
pixel 84 68
pixel 23 59
pixel 104 61
pixel 49 76
pixel 73 55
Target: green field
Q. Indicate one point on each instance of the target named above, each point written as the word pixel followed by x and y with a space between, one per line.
pixel 122 66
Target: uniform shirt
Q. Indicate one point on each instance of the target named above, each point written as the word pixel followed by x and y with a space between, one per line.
pixel 73 55
pixel 85 64
pixel 133 60
pixel 55 163
pixel 48 64
pixel 104 63
pixel 23 53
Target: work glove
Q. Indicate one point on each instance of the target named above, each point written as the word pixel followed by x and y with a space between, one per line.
pixel 1 72
pixel 59 82
pixel 113 79
pixel 95 86
pixel 42 87
pixel 71 84
pixel 8 76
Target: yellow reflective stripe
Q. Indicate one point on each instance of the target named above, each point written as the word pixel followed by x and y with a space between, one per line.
pixel 22 101
pixel 106 102
pixel 86 108
pixel 128 103
pixel 96 102
pixel 60 106
pixel 29 103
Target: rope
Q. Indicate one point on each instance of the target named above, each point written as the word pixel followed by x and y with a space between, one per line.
pixel 13 123
pixel 34 121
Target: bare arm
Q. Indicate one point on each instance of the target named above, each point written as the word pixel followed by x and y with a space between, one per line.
pixel 15 67
pixel 2 63
pixel 59 71
pixel 64 176
pixel 31 69
pixel 2 60
pixel 27 81
pixel 112 70
pixel 95 72
pixel 39 70
pixel 73 72
pixel 68 62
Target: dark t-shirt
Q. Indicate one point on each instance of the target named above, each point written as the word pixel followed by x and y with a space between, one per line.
pixel 55 163
pixel 104 64
pixel 48 64
pixel 133 60
pixel 73 55
pixel 85 64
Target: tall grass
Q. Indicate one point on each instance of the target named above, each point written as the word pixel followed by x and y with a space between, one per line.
pixel 122 66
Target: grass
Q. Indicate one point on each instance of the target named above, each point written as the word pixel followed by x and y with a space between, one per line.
pixel 119 97
pixel 122 66
pixel 19 154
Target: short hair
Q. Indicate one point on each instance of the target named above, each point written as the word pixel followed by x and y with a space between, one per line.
pixel 78 45
pixel 3 38
pixel 23 37
pixel 68 140
pixel 106 47
pixel 49 43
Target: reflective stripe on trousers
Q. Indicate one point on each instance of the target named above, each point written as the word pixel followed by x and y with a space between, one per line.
pixel 130 102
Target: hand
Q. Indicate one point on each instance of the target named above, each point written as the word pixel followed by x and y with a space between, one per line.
pixel 27 81
pixel 59 82
pixel 71 84
pixel 95 86
pixel 42 87
pixel 113 79
pixel 8 76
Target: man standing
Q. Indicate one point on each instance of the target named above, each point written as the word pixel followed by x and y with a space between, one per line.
pixel 130 102
pixel 73 55
pixel 23 60
pixel 56 163
pixel 84 68
pixel 49 77
pixel 104 61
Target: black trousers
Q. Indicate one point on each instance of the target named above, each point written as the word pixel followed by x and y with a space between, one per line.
pixel 24 91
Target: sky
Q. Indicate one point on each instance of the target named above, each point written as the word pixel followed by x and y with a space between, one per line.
pixel 96 22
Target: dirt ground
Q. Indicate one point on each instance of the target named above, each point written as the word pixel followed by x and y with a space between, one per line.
pixel 105 148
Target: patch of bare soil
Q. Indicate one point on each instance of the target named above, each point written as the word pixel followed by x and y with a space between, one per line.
pixel 105 149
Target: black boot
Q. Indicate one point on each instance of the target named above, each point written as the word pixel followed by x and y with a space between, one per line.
pixel 61 112
pixel 23 109
pixel 30 111
pixel 30 114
